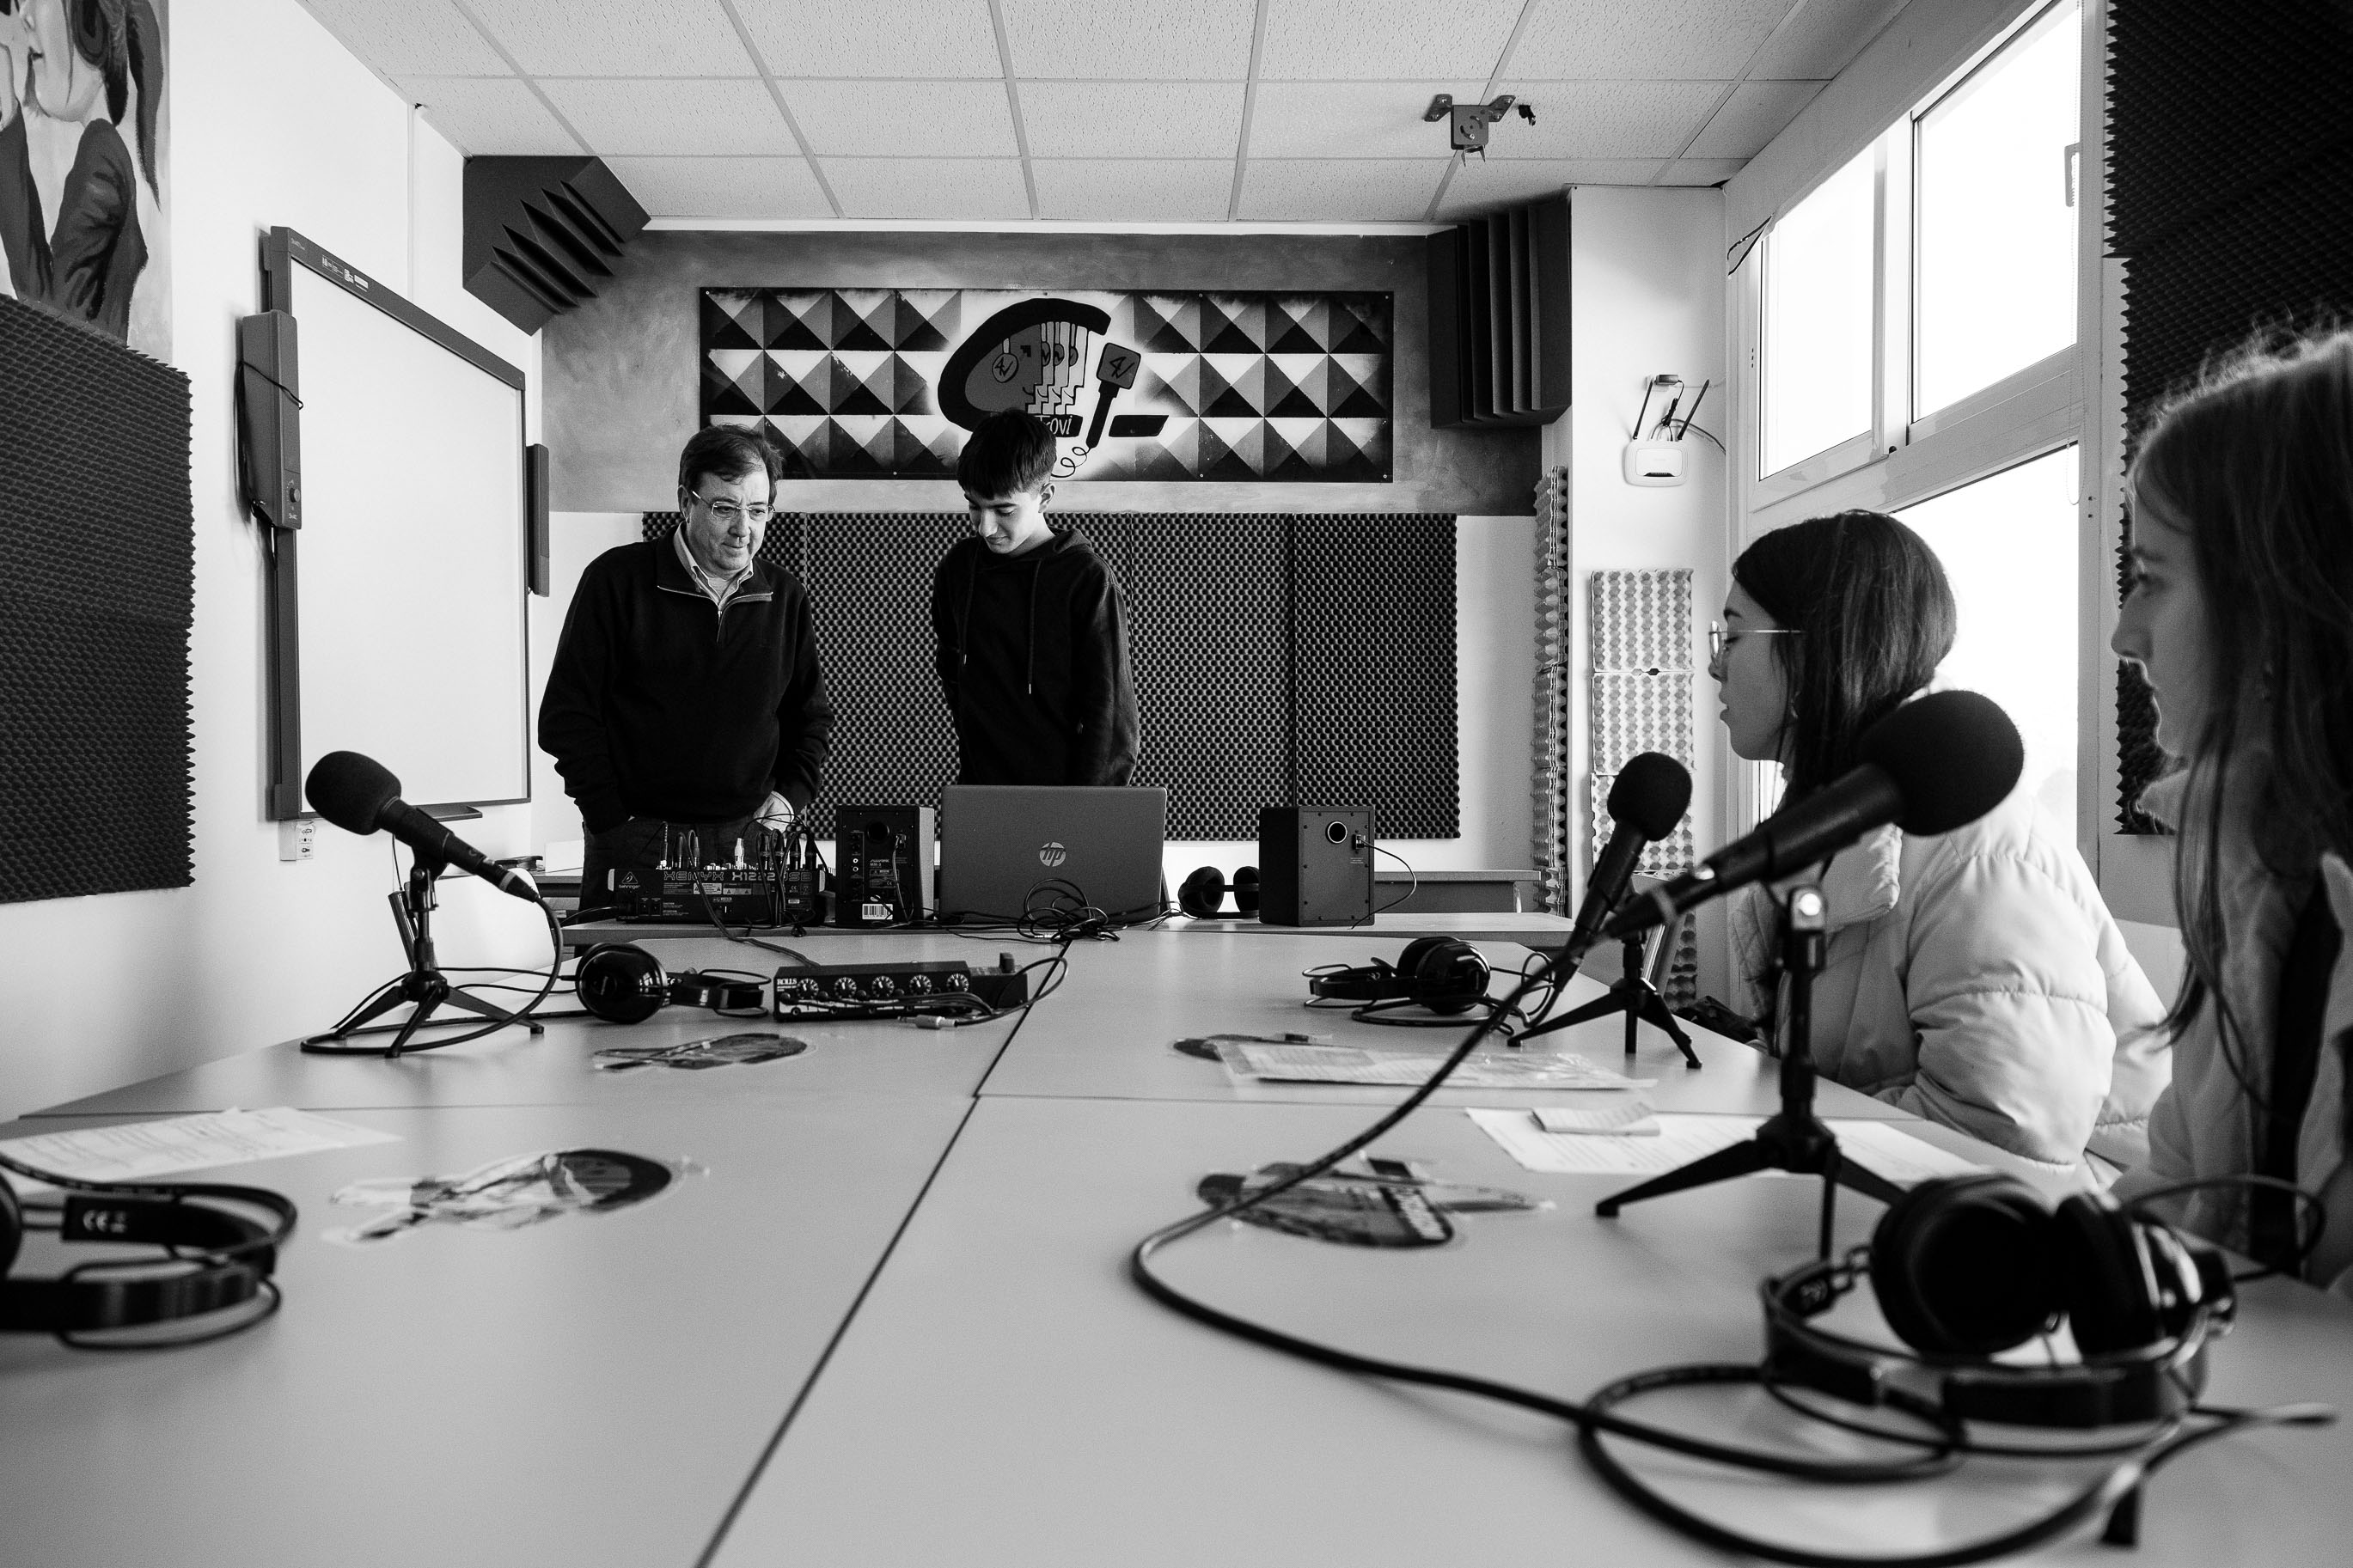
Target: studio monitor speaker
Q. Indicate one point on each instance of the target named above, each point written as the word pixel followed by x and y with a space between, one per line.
pixel 1315 865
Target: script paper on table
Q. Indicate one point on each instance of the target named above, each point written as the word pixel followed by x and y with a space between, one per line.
pixel 1880 1145
pixel 1351 1064
pixel 138 1150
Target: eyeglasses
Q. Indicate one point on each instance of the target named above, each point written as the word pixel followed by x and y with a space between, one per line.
pixel 1718 639
pixel 727 511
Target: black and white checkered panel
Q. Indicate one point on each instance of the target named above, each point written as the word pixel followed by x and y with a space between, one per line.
pixel 1376 668
pixel 1205 616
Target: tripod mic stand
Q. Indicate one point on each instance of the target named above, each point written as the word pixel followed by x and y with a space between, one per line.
pixel 1795 1139
pixel 424 984
pixel 1632 995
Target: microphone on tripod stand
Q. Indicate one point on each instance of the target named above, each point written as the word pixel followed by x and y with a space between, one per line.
pixel 360 795
pixel 1647 799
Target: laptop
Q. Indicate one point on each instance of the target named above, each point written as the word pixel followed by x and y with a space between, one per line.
pixel 1009 850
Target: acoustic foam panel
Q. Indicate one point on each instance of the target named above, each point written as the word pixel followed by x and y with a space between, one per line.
pixel 2231 147
pixel 95 609
pixel 1211 602
pixel 1640 633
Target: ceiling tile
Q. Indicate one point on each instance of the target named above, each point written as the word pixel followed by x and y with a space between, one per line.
pixel 1114 190
pixel 673 117
pixel 1351 118
pixel 617 37
pixel 988 188
pixel 1155 40
pixel 1133 118
pixel 403 38
pixel 892 38
pixel 1752 116
pixel 1338 190
pixel 490 116
pixel 1384 40
pixel 1652 39
pixel 1483 187
pixel 903 119
pixel 722 187
pixel 1603 118
pixel 1821 38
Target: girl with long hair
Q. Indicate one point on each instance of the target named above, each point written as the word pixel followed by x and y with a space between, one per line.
pixel 1974 978
pixel 2241 614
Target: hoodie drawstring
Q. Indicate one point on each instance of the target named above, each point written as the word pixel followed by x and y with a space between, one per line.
pixel 1029 669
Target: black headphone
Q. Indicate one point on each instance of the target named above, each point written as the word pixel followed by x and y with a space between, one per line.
pixel 1440 973
pixel 1963 1267
pixel 234 1256
pixel 1202 895
pixel 621 983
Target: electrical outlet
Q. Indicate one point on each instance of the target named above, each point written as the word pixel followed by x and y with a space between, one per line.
pixel 298 838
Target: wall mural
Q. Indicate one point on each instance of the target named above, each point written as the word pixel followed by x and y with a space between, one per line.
pixel 884 382
pixel 83 137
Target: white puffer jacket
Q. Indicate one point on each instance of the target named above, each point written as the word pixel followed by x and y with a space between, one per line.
pixel 2204 1122
pixel 1977 978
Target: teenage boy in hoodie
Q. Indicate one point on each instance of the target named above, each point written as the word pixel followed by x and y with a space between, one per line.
pixel 1030 631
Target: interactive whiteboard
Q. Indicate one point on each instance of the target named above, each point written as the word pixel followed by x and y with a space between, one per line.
pixel 398 605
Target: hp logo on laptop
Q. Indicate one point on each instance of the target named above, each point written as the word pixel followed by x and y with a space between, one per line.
pixel 1051 852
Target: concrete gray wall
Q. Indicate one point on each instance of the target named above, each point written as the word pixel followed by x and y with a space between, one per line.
pixel 621 373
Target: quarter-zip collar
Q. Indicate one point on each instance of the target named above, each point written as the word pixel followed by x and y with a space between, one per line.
pixel 677 571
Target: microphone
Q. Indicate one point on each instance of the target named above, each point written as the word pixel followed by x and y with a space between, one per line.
pixel 1649 796
pixel 1935 764
pixel 359 794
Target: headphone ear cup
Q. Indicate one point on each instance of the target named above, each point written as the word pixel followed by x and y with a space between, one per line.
pixel 1963 1266
pixel 2109 1277
pixel 12 1226
pixel 1445 975
pixel 620 983
pixel 1201 894
pixel 1245 887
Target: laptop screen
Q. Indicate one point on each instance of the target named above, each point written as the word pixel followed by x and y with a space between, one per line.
pixel 1008 851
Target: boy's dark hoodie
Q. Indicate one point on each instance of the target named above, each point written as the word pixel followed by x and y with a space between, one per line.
pixel 1032 654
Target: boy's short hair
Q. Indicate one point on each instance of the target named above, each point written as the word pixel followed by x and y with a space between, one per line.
pixel 1007 451
pixel 729 452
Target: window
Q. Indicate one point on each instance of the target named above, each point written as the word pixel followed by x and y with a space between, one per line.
pixel 1995 183
pixel 1818 320
pixel 2008 544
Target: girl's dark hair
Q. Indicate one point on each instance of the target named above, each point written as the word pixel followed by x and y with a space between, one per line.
pixel 121 39
pixel 2254 463
pixel 1874 614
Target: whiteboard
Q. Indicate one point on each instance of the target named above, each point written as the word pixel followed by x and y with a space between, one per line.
pixel 410 568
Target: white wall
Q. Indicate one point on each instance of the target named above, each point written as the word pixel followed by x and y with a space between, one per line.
pixel 1646 269
pixel 273 122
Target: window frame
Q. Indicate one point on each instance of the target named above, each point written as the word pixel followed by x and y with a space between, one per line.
pixel 2030 413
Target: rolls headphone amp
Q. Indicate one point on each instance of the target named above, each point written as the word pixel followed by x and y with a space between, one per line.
pixel 814 990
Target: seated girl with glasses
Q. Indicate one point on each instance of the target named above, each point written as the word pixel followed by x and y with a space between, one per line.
pixel 1974 978
pixel 2241 614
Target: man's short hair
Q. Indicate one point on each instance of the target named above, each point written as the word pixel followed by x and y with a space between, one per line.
pixel 728 452
pixel 1008 451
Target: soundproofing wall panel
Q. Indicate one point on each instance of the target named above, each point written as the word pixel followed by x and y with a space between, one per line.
pixel 1640 631
pixel 94 614
pixel 1373 612
pixel 1220 673
pixel 2230 154
pixel 886 383
pixel 1551 803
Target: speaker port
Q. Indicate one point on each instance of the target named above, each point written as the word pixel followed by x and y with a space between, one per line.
pixel 1335 831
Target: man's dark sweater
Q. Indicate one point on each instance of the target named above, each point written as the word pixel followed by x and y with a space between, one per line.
pixel 1032 654
pixel 661 704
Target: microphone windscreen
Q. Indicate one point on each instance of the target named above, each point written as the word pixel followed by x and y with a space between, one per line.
pixel 350 790
pixel 1953 756
pixel 1651 794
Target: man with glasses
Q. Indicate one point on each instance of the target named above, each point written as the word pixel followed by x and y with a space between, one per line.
pixel 686 694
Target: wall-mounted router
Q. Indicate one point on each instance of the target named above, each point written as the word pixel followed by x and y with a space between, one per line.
pixel 1656 457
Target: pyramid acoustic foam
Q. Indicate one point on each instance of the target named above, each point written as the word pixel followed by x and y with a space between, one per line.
pixel 885 383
